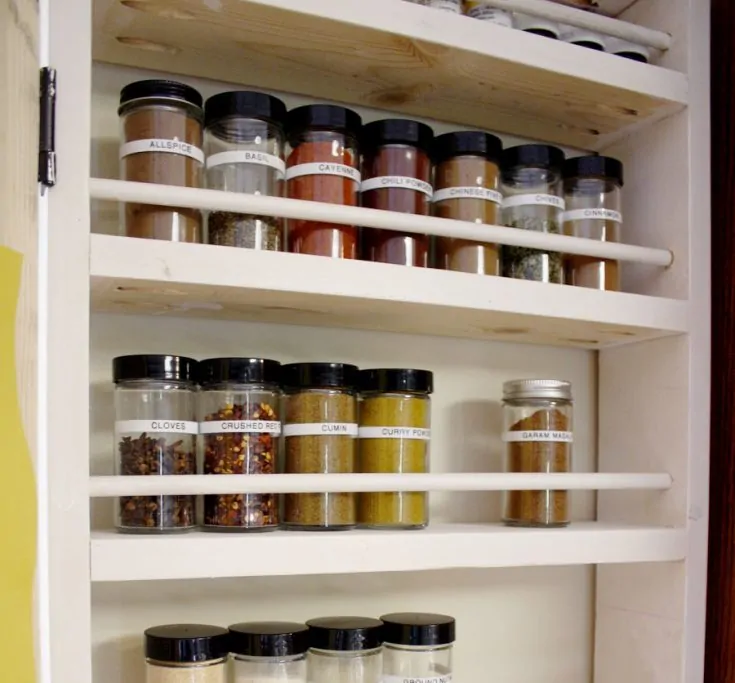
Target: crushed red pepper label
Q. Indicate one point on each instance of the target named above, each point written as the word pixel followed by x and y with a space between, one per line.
pixel 240 426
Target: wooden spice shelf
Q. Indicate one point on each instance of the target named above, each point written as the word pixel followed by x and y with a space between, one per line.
pixel 196 280
pixel 395 55
pixel 121 557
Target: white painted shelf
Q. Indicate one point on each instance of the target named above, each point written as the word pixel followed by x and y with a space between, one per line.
pixel 122 557
pixel 399 56
pixel 157 277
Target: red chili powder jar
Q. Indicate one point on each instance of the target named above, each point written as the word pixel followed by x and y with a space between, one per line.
pixel 396 172
pixel 323 166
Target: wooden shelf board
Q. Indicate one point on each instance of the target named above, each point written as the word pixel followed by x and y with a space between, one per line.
pixel 196 280
pixel 398 56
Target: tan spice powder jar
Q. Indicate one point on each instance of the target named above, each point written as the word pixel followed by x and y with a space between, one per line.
pixel 467 188
pixel 162 131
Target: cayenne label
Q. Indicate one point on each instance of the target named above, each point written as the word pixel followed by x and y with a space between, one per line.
pixel 394 433
pixel 397 181
pixel 538 435
pixel 162 145
pixel 323 168
pixel 156 427
pixel 321 429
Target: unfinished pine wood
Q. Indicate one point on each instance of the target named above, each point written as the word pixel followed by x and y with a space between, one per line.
pixel 394 55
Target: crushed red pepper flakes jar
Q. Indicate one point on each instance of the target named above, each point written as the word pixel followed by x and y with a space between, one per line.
pixel 323 166
pixel 240 424
pixel 396 176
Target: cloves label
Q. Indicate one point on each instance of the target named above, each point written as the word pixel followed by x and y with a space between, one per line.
pixel 156 427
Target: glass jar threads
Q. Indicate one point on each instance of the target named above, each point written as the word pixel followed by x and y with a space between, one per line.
pixel 477 9
pixel 186 653
pixel 345 650
pixel 417 647
pixel 537 418
pixel 532 191
pixel 269 652
pixel 161 143
pixel 240 427
pixel 323 166
pixel 244 142
pixel 592 189
pixel 467 188
pixel 396 176
pixel 155 434
pixel 394 437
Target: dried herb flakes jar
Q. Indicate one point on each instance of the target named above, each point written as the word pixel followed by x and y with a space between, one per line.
pixel 272 651
pixel 244 141
pixel 161 135
pixel 240 426
pixel 345 649
pixel 532 200
pixel 155 434
pixel 537 417
pixel 186 653
pixel 396 176
pixel 418 647
pixel 467 188
pixel 320 432
pixel 394 437
pixel 323 166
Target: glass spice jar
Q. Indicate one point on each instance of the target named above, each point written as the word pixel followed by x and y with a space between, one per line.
pixel 532 200
pixel 536 25
pixel 592 194
pixel 396 174
pixel 239 420
pixel 345 650
pixel 320 433
pixel 627 50
pixel 155 434
pixel 582 37
pixel 394 437
pixel 484 12
pixel 537 417
pixel 467 188
pixel 186 653
pixel 161 143
pixel 269 652
pixel 418 647
pixel 323 166
pixel 446 5
pixel 244 141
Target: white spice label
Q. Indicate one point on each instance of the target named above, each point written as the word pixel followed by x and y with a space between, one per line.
pixel 162 145
pixel 447 678
pixel 485 13
pixel 447 5
pixel 592 214
pixel 394 433
pixel 323 168
pixel 397 181
pixel 156 427
pixel 538 435
pixel 240 426
pixel 468 193
pixel 532 199
pixel 247 157
pixel 321 429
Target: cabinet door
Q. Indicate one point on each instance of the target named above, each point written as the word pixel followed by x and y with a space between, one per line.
pixel 19 229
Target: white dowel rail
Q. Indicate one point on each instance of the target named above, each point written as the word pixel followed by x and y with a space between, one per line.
pixel 111 486
pixel 168 195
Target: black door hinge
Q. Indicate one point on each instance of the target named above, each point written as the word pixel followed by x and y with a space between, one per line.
pixel 47 128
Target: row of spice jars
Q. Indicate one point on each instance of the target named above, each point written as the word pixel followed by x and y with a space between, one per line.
pixel 237 420
pixel 478 9
pixel 393 649
pixel 245 134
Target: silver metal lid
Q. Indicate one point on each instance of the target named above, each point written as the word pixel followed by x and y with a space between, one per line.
pixel 537 388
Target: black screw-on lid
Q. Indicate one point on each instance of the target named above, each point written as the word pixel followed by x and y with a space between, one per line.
pixel 186 643
pixel 245 103
pixel 317 375
pixel 153 366
pixel 321 116
pixel 269 638
pixel 239 370
pixel 396 132
pixel 416 628
pixel 545 156
pixel 466 142
pixel 396 379
pixel 634 56
pixel 160 88
pixel 594 166
pixel 345 633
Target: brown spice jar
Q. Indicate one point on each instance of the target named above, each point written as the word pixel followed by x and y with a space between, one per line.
pixel 161 116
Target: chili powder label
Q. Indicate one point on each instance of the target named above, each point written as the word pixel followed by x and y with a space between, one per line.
pixel 156 427
pixel 240 426
pixel 394 433
pixel 593 214
pixel 320 429
pixel 323 168
pixel 397 181
pixel 538 435
pixel 162 145
pixel 534 199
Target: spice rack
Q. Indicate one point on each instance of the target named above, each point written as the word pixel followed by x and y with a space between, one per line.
pixel 627 579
